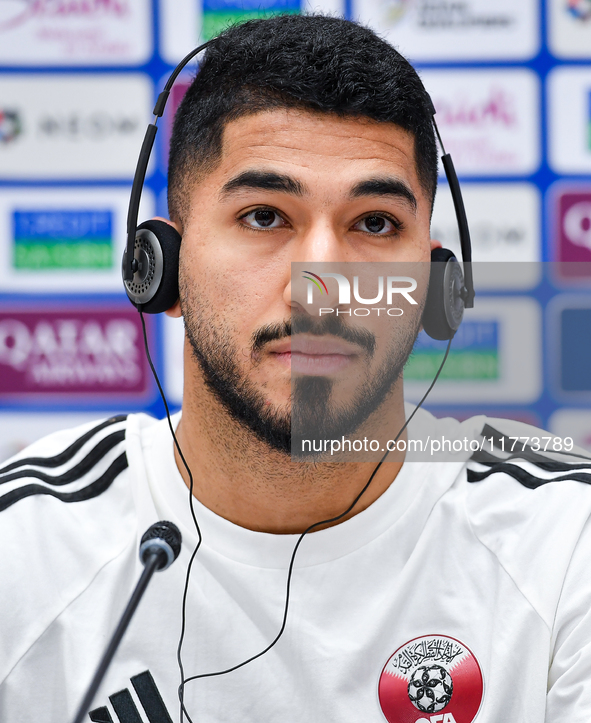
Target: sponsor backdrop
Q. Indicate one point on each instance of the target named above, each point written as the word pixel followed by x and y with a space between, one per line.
pixel 511 82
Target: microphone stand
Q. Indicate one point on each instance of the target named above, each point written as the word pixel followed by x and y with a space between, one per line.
pixel 153 562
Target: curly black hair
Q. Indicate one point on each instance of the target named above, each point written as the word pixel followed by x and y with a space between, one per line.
pixel 314 62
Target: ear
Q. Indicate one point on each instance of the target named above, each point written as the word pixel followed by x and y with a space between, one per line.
pixel 175 311
pixel 177 226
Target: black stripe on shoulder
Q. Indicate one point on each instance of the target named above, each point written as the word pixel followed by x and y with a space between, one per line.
pixel 68 453
pixel 545 463
pixel 86 493
pixel 525 478
pixel 85 465
pixel 525 453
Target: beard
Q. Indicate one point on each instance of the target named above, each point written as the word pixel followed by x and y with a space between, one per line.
pixel 313 413
pixel 316 414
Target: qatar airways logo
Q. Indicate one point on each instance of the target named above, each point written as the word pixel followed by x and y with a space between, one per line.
pixel 392 287
pixel 18 12
pixel 58 351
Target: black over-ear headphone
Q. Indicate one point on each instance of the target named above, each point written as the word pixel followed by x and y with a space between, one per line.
pixel 151 259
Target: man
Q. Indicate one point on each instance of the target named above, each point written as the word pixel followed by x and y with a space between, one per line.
pixel 451 591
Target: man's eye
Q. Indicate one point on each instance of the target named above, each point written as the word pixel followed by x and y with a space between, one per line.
pixel 377 225
pixel 263 218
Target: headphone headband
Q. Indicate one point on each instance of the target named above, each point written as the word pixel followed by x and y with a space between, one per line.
pixel 130 264
pixel 144 159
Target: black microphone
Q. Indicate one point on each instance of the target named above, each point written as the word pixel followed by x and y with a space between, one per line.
pixel 159 548
pixel 162 539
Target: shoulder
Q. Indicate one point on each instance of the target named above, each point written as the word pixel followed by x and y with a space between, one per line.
pixel 68 465
pixel 504 465
pixel 518 466
pixel 74 476
pixel 66 513
pixel 527 497
pixel 531 456
pixel 74 465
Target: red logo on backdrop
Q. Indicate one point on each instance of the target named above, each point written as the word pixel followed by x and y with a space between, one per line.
pixel 574 233
pixel 93 352
pixel 21 11
pixel 433 679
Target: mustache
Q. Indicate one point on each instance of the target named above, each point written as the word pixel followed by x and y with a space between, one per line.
pixel 306 324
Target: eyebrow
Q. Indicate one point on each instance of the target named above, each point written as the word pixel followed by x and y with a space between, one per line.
pixel 263 181
pixel 272 181
pixel 385 187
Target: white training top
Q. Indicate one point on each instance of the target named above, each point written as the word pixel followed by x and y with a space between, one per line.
pixel 463 593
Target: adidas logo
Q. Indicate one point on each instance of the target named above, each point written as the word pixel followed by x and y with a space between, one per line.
pixel 126 709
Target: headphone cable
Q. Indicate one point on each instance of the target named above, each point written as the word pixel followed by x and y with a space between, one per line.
pixel 184 681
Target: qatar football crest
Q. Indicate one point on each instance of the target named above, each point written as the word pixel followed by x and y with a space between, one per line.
pixel 433 679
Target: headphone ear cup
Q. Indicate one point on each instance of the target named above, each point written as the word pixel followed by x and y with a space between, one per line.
pixel 155 285
pixel 444 308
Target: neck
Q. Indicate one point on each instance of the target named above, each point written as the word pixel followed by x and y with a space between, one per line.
pixel 241 478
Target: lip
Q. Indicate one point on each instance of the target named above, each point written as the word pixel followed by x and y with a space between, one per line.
pixel 315 355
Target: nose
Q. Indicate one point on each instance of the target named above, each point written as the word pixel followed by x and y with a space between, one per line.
pixel 318 252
